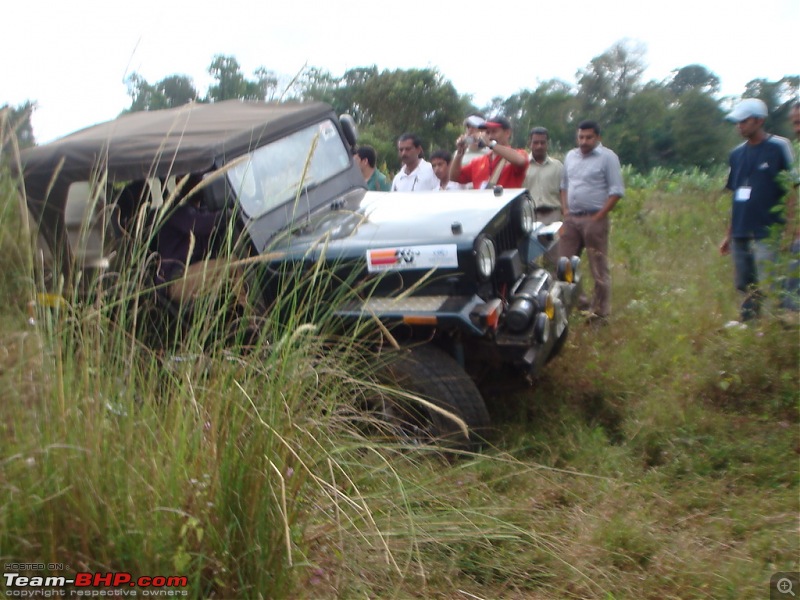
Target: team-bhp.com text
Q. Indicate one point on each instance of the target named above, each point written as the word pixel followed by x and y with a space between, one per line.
pixel 94 584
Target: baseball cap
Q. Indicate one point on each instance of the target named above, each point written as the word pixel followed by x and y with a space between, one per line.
pixel 498 122
pixel 476 121
pixel 751 107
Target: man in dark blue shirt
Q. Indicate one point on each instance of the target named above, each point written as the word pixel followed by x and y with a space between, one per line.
pixel 757 192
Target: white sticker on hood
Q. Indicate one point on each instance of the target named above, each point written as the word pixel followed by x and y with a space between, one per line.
pixel 412 257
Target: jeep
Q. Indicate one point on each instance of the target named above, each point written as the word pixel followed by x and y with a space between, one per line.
pixel 454 277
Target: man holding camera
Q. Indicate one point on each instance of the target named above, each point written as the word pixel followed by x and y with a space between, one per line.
pixel 476 146
pixel 503 165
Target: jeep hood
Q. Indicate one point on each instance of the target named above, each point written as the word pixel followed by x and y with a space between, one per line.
pixel 388 219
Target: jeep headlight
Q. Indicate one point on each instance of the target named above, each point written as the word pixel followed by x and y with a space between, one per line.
pixel 546 304
pixel 485 256
pixel 525 216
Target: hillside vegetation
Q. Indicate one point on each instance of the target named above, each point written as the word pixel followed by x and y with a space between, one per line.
pixel 656 457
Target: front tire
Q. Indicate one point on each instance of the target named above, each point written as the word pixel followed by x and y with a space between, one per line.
pixel 435 377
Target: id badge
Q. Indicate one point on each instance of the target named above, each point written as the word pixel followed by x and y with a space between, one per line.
pixel 743 194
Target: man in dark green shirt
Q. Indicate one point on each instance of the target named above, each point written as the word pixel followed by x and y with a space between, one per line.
pixel 366 158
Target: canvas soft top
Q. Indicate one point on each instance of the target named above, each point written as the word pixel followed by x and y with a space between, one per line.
pixel 191 138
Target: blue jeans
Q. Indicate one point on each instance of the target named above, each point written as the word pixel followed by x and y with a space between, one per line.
pixel 752 261
pixel 755 262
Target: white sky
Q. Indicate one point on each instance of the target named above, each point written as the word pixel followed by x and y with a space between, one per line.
pixel 72 56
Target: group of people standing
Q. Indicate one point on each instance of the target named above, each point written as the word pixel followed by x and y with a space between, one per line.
pixel 582 191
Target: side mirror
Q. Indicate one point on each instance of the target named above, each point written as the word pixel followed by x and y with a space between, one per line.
pixel 350 129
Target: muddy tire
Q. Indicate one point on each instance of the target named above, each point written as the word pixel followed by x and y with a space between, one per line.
pixel 434 376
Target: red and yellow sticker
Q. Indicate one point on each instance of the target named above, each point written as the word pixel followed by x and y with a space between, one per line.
pixel 412 257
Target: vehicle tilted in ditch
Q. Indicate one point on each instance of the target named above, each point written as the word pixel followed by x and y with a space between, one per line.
pixel 453 277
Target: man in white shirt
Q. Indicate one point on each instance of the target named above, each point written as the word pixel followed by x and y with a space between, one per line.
pixel 417 174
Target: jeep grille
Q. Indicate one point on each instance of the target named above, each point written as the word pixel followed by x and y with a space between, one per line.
pixel 506 238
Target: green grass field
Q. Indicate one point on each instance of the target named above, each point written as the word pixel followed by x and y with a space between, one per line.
pixel 656 457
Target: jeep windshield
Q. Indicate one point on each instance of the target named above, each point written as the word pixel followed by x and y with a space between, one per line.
pixel 273 174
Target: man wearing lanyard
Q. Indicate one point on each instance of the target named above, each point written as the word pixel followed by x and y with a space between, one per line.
pixel 504 165
pixel 591 185
pixel 757 191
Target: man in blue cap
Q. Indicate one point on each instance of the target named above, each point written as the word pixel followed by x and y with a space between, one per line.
pixel 757 192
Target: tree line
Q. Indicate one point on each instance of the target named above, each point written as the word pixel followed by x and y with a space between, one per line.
pixel 677 123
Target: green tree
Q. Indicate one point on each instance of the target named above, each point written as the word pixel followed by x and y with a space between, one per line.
pixel 16 122
pixel 265 87
pixel 607 83
pixel 779 97
pixel 550 105
pixel 420 101
pixel 142 94
pixel 174 90
pixel 644 139
pixel 701 135
pixel 496 106
pixel 177 90
pixel 232 84
pixel 320 85
pixel 693 78
pixel 350 89
pixel 315 84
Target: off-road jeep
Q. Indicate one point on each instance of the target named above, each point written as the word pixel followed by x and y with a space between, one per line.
pixel 454 275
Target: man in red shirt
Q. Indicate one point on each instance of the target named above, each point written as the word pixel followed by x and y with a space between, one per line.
pixel 504 165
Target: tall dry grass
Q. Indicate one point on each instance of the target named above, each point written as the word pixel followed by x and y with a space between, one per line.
pixel 655 458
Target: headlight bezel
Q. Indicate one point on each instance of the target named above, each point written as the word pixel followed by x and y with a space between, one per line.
pixel 485 254
pixel 524 215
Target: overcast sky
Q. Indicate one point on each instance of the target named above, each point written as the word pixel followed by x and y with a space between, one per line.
pixel 72 56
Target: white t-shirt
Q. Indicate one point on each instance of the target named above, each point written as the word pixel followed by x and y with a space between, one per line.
pixel 421 179
pixel 453 185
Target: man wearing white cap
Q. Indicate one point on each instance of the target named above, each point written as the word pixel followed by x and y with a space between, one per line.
pixel 753 178
pixel 476 145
